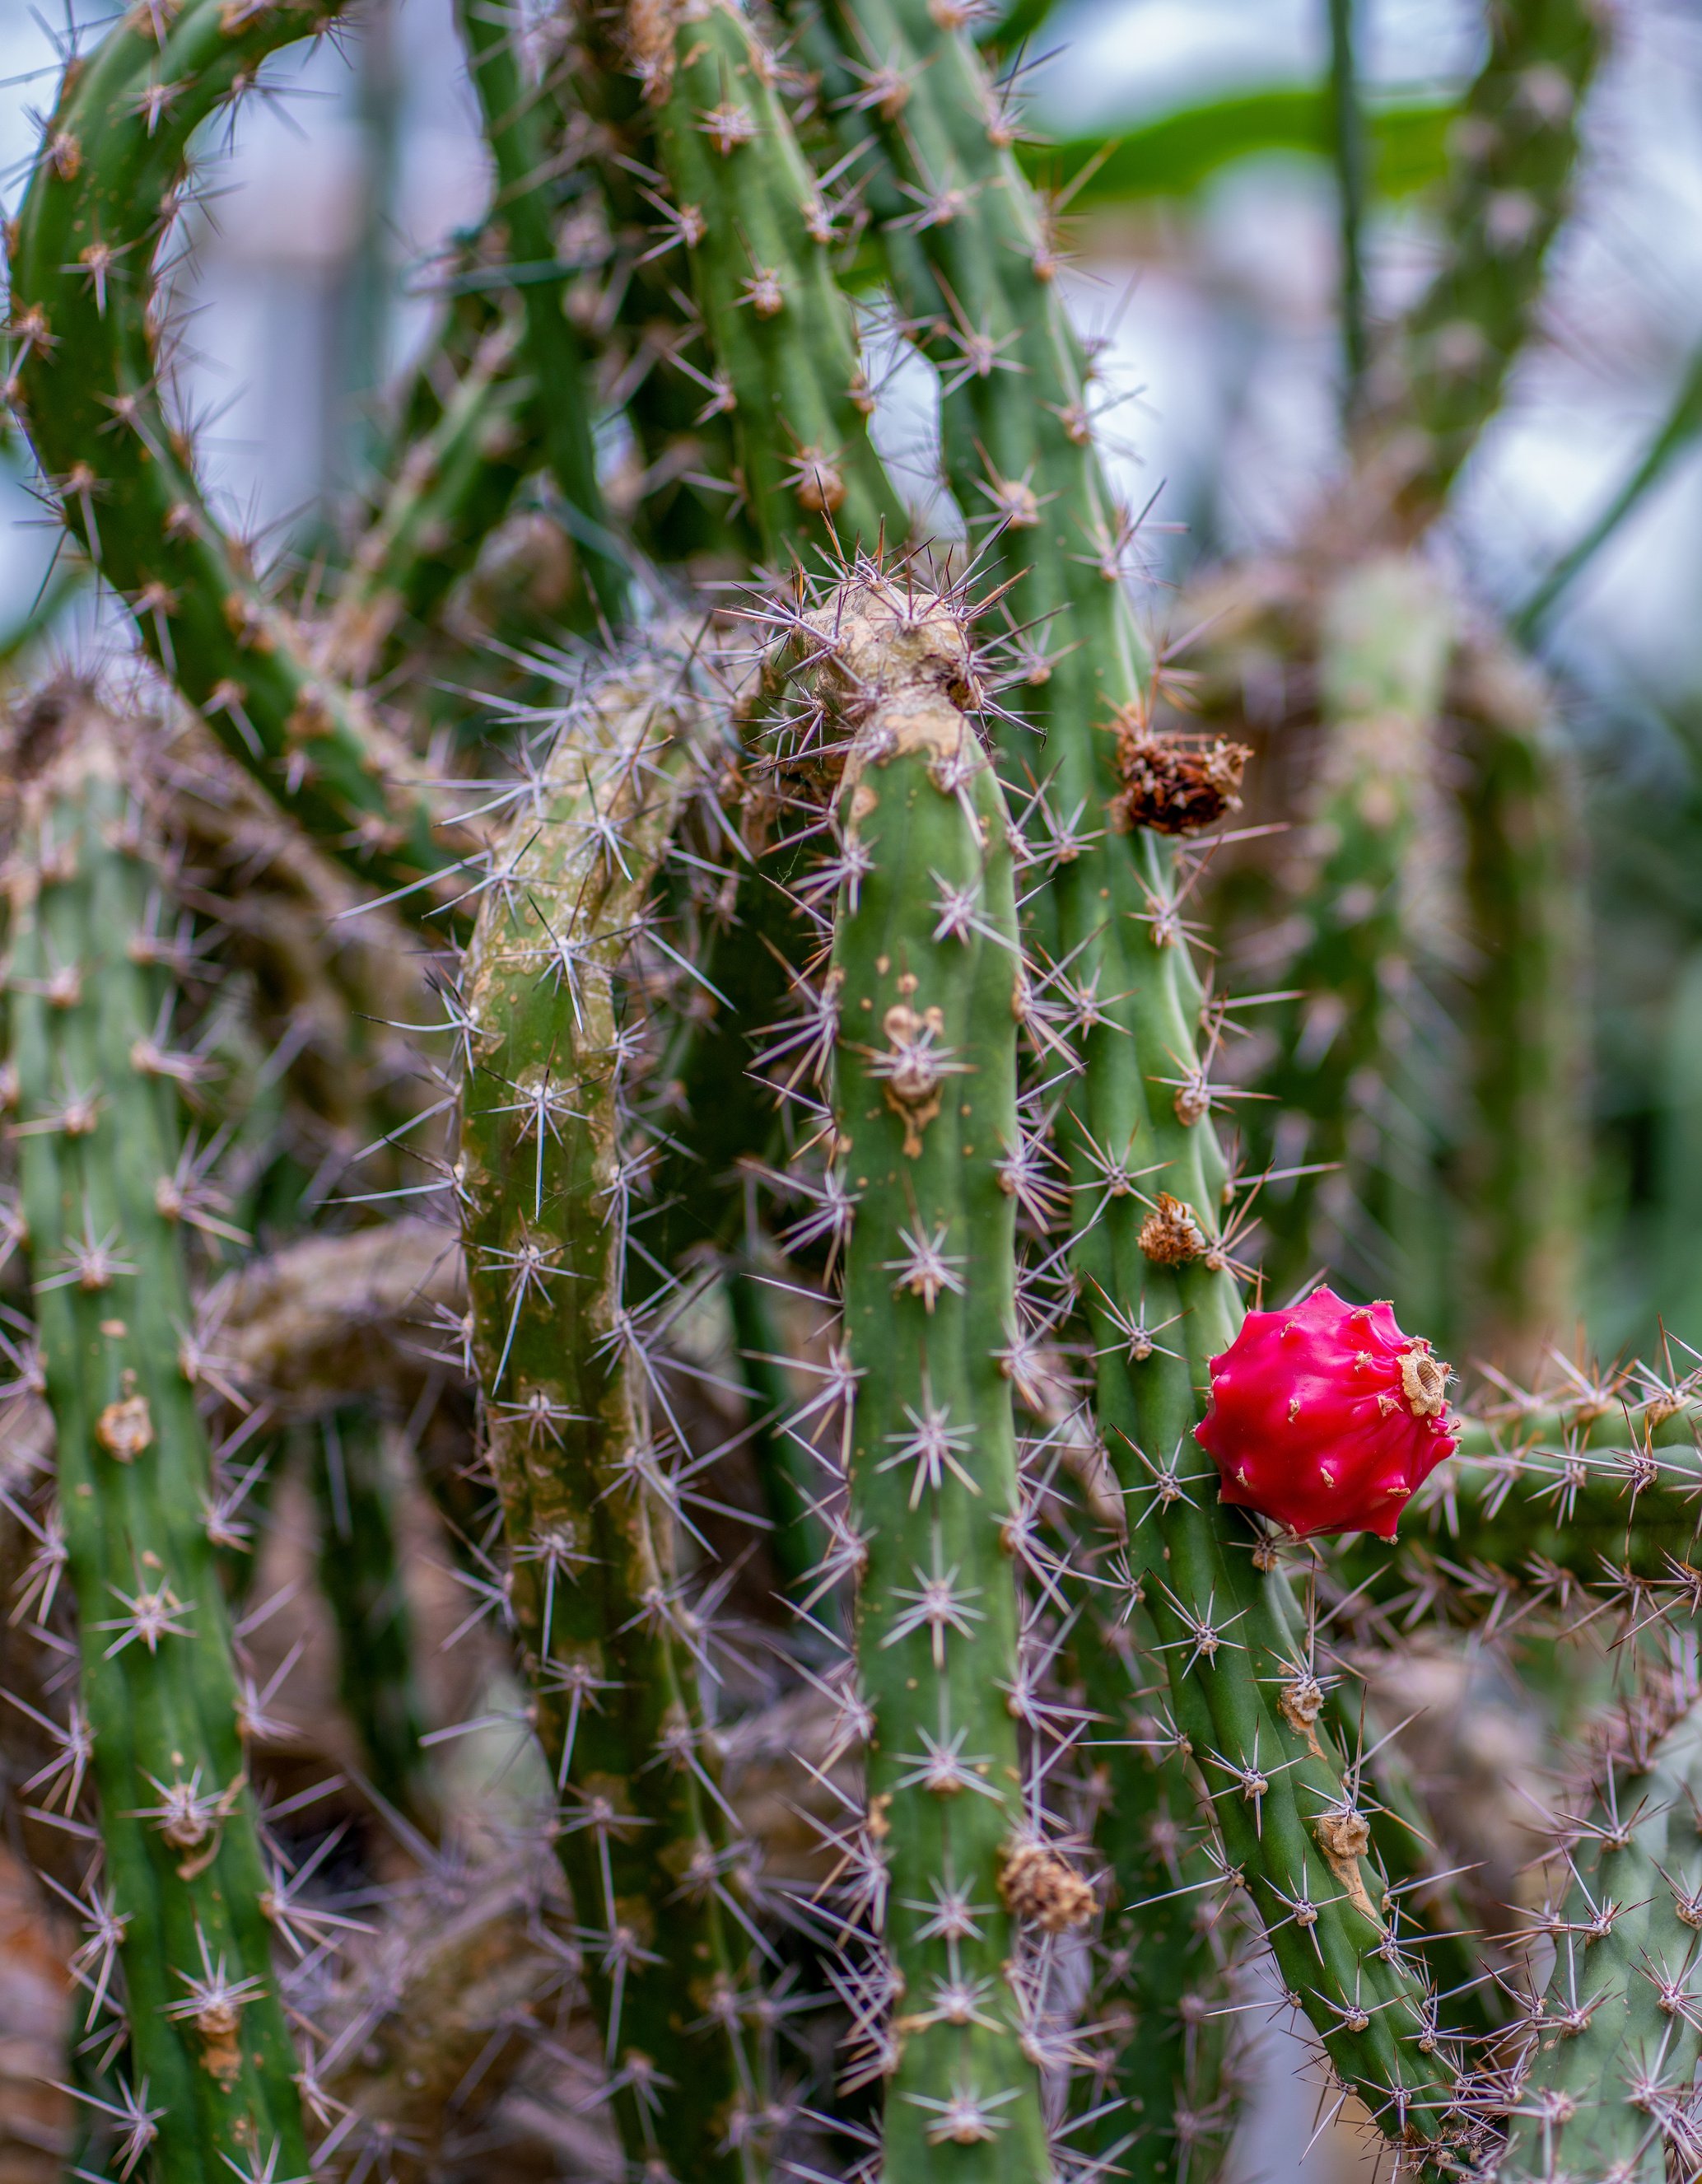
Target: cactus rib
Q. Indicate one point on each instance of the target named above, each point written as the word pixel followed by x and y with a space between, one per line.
pixel 759 235
pixel 97 1146
pixel 926 1102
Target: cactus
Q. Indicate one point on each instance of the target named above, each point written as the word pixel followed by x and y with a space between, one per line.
pixel 362 1577
pixel 184 1881
pixel 758 229
pixel 1516 146
pixel 1360 917
pixel 1523 1164
pixel 515 116
pixel 829 1351
pixel 926 1099
pixel 85 378
pixel 579 1434
pixel 1600 2086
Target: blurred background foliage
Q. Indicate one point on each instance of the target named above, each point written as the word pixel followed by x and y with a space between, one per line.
pixel 1196 145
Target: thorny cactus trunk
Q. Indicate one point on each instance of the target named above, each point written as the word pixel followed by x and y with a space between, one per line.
pixel 754 1260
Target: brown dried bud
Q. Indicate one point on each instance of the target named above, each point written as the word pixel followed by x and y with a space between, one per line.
pixel 1175 784
pixel 1039 1886
pixel 1170 1235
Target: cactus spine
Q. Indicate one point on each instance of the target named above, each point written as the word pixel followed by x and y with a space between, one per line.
pixel 212 2066
pixel 578 1432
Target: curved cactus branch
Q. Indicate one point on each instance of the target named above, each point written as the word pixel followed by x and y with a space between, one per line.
pixel 85 377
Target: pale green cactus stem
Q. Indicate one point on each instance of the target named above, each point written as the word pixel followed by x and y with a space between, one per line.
pixel 1603 2087
pixel 1362 908
pixel 759 236
pixel 1158 1222
pixel 84 375
pixel 1523 1154
pixel 1516 146
pixel 210 2061
pixel 927 973
pixel 577 1430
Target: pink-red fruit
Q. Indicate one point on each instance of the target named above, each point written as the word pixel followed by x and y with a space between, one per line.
pixel 1325 1418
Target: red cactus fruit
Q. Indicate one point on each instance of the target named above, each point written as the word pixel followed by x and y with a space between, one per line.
pixel 1327 1417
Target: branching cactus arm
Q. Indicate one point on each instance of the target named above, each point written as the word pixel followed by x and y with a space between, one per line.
pixel 578 1429
pixel 85 376
pixel 182 1875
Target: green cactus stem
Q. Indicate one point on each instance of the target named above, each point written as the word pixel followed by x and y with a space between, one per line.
pixel 1523 1161
pixel 686 511
pixel 85 373
pixel 1602 2087
pixel 1386 633
pixel 453 484
pixel 577 1431
pixel 361 1575
pixel 1516 144
pixel 759 235
pixel 928 973
pixel 1161 2099
pixel 98 1143
pixel 517 116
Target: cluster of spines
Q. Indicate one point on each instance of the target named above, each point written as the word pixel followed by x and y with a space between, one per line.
pixel 581 1436
pixel 178 1898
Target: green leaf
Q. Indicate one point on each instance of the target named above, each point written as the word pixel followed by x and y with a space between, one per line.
pixel 1174 154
